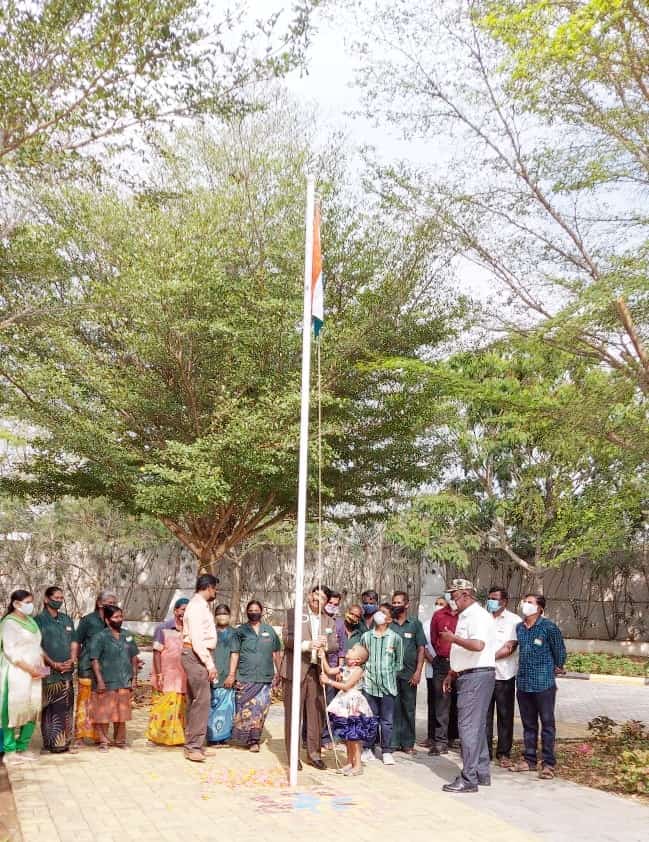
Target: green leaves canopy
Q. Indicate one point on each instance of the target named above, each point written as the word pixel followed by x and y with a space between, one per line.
pixel 171 383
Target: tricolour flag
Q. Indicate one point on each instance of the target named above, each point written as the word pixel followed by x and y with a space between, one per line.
pixel 317 284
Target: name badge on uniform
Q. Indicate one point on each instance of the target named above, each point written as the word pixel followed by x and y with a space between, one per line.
pixel 68 628
pixel 408 634
pixel 328 631
pixel 265 634
pixel 538 641
pixel 129 639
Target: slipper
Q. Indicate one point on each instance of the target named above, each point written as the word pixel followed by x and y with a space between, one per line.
pixel 546 773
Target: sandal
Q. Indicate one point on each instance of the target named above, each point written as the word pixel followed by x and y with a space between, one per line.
pixel 254 747
pixel 103 747
pixel 353 773
pixel 546 773
pixel 521 766
pixel 345 770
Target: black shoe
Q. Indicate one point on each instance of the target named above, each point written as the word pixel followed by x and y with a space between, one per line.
pixel 317 763
pixel 484 781
pixel 436 750
pixel 299 765
pixel 459 785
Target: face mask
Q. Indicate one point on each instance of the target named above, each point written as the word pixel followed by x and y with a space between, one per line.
pixel 55 603
pixel 254 616
pixel 397 610
pixel 351 621
pixel 493 605
pixel 332 610
pixel 27 608
pixel 528 609
pixel 369 609
pixel 222 619
pixel 452 604
pixel 115 624
pixel 380 618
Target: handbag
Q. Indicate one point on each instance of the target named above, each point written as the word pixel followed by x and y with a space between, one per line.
pixel 219 722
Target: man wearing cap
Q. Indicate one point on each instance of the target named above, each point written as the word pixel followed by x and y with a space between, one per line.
pixel 199 641
pixel 473 668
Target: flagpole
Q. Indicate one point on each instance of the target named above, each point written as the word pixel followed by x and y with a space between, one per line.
pixel 302 486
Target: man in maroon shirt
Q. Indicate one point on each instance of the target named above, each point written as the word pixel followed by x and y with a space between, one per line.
pixel 445 618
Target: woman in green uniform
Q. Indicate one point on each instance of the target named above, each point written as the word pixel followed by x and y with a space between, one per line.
pixel 113 655
pixel 60 654
pixel 219 723
pixel 259 659
pixel 89 626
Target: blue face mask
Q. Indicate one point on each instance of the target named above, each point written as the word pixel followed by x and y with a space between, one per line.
pixel 447 596
pixel 493 605
pixel 368 609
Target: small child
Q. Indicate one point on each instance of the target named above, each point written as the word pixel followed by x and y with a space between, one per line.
pixel 351 715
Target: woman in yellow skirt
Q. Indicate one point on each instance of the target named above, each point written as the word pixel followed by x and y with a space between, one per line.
pixel 169 682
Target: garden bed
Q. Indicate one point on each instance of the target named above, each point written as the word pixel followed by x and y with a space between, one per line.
pixel 601 664
pixel 615 759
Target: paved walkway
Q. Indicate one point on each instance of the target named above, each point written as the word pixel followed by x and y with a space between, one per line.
pixel 150 793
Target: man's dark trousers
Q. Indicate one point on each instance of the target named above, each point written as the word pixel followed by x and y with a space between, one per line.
pixel 503 702
pixel 535 707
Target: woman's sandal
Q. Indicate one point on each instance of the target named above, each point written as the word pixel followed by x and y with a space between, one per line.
pixel 546 773
pixel 254 747
pixel 345 770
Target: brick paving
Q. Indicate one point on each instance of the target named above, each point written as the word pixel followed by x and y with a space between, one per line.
pixel 152 793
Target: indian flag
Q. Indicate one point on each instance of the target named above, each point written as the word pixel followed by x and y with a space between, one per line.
pixel 317 286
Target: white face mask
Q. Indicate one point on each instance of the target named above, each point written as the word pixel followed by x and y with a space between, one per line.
pixel 380 618
pixel 27 608
pixel 527 609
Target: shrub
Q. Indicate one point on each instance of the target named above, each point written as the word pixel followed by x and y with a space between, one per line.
pixel 602 726
pixel 632 772
pixel 606 664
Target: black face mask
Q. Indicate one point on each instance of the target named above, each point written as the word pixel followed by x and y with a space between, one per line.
pixel 115 624
pixel 398 609
pixel 254 616
pixel 351 626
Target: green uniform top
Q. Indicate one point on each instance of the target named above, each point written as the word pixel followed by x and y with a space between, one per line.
pixel 256 659
pixel 412 634
pixel 384 662
pixel 227 642
pixel 114 656
pixel 58 635
pixel 354 638
pixel 88 627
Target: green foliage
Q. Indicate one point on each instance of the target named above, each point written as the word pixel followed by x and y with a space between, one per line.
pixel 73 72
pixel 632 772
pixel 602 664
pixel 438 527
pixel 171 383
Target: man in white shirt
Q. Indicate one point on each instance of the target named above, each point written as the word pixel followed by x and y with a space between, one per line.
pixel 503 699
pixel 473 668
pixel 199 641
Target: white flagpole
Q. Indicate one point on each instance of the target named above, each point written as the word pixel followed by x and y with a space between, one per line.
pixel 302 485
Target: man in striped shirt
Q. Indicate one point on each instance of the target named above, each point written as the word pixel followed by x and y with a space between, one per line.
pixel 385 660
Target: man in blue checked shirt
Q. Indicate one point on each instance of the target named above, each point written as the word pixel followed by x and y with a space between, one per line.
pixel 542 654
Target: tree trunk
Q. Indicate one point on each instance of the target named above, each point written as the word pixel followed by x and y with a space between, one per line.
pixel 235 601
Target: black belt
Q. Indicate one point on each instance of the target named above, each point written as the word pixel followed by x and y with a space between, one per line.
pixel 477 669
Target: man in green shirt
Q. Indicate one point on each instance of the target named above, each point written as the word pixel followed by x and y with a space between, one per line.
pixel 60 652
pixel 385 660
pixel 411 631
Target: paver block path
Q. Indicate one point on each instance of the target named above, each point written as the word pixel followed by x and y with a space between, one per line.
pixel 153 793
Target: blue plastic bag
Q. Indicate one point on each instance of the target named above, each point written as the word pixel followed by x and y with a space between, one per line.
pixel 219 723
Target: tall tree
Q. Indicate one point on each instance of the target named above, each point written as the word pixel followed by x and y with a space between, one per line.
pixel 173 387
pixel 550 99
